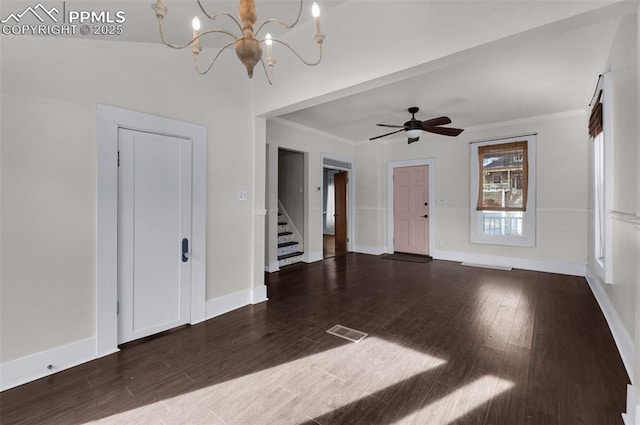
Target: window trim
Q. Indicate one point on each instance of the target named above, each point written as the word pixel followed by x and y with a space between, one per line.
pixel 529 215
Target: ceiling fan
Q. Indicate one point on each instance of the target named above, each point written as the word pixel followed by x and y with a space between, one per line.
pixel 414 127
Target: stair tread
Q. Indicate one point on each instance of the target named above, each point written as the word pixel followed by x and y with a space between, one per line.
pixel 293 254
pixel 285 244
pixel 285 233
pixel 281 223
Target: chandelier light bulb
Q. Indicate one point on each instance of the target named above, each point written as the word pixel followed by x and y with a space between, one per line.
pixel 248 42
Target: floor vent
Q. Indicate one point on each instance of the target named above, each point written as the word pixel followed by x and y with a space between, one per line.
pixel 487 266
pixel 347 333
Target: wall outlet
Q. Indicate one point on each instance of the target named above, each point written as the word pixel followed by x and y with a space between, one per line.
pixel 242 195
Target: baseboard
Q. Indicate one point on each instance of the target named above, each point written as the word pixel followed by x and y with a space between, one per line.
pixel 226 303
pixel 35 366
pixel 259 294
pixel 573 269
pixel 312 257
pixel 632 416
pixel 620 334
pixel 371 250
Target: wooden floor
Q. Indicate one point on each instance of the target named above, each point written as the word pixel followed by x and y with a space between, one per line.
pixel 447 344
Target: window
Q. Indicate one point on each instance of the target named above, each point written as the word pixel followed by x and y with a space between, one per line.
pixel 503 191
pixel 602 192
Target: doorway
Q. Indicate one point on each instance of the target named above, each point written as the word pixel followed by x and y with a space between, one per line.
pixel 109 122
pixel 335 211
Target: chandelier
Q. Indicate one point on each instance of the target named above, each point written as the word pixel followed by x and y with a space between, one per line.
pixel 248 46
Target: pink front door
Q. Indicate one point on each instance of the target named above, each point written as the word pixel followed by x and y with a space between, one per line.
pixel 411 209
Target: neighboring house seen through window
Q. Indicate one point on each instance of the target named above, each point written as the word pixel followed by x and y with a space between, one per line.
pixel 503 191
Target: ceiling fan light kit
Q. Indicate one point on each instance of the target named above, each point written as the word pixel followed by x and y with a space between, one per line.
pixel 248 47
pixel 414 128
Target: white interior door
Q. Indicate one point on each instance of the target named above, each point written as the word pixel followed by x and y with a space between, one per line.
pixel 154 216
pixel 411 209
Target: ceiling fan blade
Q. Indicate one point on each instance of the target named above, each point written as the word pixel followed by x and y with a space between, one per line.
pixel 388 134
pixel 413 139
pixel 445 131
pixel 389 125
pixel 436 121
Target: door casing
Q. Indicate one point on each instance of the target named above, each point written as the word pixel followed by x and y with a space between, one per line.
pixel 109 120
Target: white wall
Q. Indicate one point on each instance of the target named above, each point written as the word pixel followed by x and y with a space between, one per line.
pixel 621 299
pixel 50 87
pixel 623 66
pixel 561 189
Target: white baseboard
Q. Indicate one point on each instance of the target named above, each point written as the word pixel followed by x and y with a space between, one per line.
pixel 371 250
pixel 272 267
pixel 573 269
pixel 632 416
pixel 259 294
pixel 35 366
pixel 620 334
pixel 312 257
pixel 226 303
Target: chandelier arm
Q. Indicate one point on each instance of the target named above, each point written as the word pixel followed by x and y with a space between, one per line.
pixel 177 46
pixel 298 55
pixel 195 59
pixel 266 73
pixel 219 14
pixel 281 23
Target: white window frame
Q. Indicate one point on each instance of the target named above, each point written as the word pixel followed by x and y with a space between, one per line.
pixel 528 239
pixel 602 265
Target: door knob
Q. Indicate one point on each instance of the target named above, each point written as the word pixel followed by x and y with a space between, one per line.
pixel 425 216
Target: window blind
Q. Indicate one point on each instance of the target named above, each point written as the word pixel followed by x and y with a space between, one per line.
pixel 595 120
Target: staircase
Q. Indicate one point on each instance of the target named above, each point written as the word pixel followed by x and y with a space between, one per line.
pixel 288 249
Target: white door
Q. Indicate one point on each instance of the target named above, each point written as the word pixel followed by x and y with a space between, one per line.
pixel 411 209
pixel 154 216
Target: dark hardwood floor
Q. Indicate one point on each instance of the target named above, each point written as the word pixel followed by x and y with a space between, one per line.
pixel 447 344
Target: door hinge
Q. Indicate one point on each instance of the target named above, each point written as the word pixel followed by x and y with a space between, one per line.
pixel 347 239
pixel 118 308
pixel 118 158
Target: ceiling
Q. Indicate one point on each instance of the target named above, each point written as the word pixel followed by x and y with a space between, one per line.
pixel 547 70
pixel 141 24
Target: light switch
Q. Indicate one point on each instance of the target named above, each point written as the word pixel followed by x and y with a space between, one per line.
pixel 242 195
